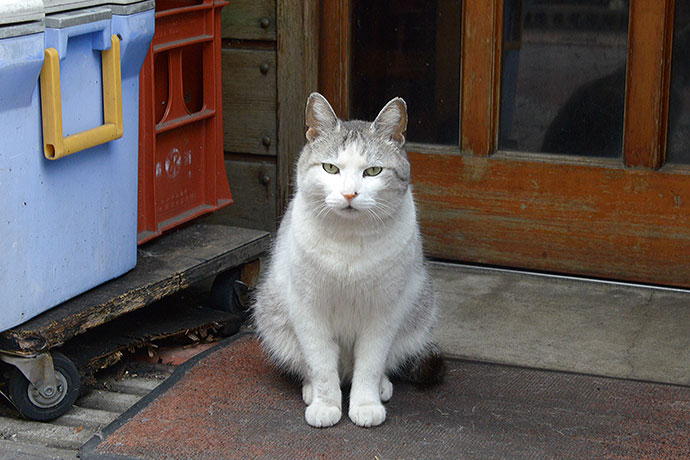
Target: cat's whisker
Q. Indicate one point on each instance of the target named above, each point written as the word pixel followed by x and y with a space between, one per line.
pixel 323 209
pixel 371 214
pixel 385 207
pixel 375 216
pixel 385 204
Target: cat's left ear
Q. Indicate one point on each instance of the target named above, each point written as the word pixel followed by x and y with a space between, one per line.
pixel 391 122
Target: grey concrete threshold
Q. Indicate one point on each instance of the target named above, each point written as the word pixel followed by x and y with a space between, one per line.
pixel 567 324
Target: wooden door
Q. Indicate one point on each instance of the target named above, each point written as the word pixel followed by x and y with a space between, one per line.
pixel 510 164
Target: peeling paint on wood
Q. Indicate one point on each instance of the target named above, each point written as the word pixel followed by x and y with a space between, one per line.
pixel 581 219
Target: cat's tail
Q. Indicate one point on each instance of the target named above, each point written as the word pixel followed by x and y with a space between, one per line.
pixel 426 369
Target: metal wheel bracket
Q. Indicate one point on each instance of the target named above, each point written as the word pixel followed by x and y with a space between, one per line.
pixel 38 370
pixel 242 293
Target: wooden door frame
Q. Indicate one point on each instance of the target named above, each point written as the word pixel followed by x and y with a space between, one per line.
pixel 648 83
pixel 297 76
pixel 608 218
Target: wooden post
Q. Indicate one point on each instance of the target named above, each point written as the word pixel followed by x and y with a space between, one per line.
pixel 481 75
pixel 297 77
pixel 650 39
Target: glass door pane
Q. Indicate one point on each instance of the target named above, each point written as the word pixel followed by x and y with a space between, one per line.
pixel 679 106
pixel 411 49
pixel 563 82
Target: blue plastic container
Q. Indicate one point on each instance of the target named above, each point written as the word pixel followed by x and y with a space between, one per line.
pixel 69 224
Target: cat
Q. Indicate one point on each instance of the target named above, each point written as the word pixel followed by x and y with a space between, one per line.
pixel 346 296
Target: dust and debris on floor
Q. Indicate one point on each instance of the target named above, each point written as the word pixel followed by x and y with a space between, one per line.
pixel 106 396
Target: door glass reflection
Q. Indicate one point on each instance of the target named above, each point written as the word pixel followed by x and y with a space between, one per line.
pixel 563 82
pixel 678 140
pixel 411 49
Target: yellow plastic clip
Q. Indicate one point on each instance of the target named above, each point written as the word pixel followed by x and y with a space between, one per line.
pixel 56 146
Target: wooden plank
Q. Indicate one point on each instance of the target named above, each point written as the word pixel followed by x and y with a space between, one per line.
pixel 297 77
pixel 650 37
pixel 102 346
pixel 480 70
pixel 249 101
pixel 253 185
pixel 573 218
pixel 164 266
pixel 249 20
pixel 334 53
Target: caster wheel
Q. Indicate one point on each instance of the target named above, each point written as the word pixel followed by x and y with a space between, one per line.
pixel 34 405
pixel 231 295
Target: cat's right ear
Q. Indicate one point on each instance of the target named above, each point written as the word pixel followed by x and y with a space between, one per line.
pixel 320 116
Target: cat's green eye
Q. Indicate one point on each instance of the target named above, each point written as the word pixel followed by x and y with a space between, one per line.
pixel 373 171
pixel 330 168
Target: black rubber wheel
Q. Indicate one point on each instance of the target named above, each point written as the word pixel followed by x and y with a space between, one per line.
pixel 231 295
pixel 35 406
pixel 223 296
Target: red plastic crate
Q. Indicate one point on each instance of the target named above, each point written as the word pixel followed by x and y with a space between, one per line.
pixel 181 168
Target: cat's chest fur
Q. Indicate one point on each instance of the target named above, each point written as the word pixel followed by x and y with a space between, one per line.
pixel 334 266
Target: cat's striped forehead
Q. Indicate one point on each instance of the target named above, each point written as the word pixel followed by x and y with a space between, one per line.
pixel 355 142
pixel 354 154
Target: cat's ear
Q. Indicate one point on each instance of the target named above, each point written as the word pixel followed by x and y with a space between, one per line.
pixel 391 122
pixel 320 116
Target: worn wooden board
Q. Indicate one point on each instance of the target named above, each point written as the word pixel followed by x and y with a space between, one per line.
pixel 249 101
pixel 253 182
pixel 576 217
pixel 334 53
pixel 298 36
pixel 249 20
pixel 164 266
pixel 103 346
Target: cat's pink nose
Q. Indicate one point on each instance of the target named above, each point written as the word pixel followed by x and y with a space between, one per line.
pixel 350 196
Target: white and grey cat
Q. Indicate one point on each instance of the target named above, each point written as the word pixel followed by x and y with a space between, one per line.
pixel 346 296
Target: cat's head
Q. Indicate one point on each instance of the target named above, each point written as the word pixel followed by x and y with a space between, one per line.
pixel 354 169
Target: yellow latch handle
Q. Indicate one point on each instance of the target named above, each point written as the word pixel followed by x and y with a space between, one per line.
pixel 56 146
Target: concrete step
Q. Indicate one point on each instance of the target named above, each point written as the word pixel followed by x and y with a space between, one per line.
pixel 12 449
pixel 108 401
pixel 44 434
pixel 86 418
pixel 135 386
pixel 564 323
pixel 60 439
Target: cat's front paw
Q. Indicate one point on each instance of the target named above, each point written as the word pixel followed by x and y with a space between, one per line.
pixel 321 415
pixel 366 415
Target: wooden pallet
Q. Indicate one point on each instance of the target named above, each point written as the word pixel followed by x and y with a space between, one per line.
pixel 164 267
